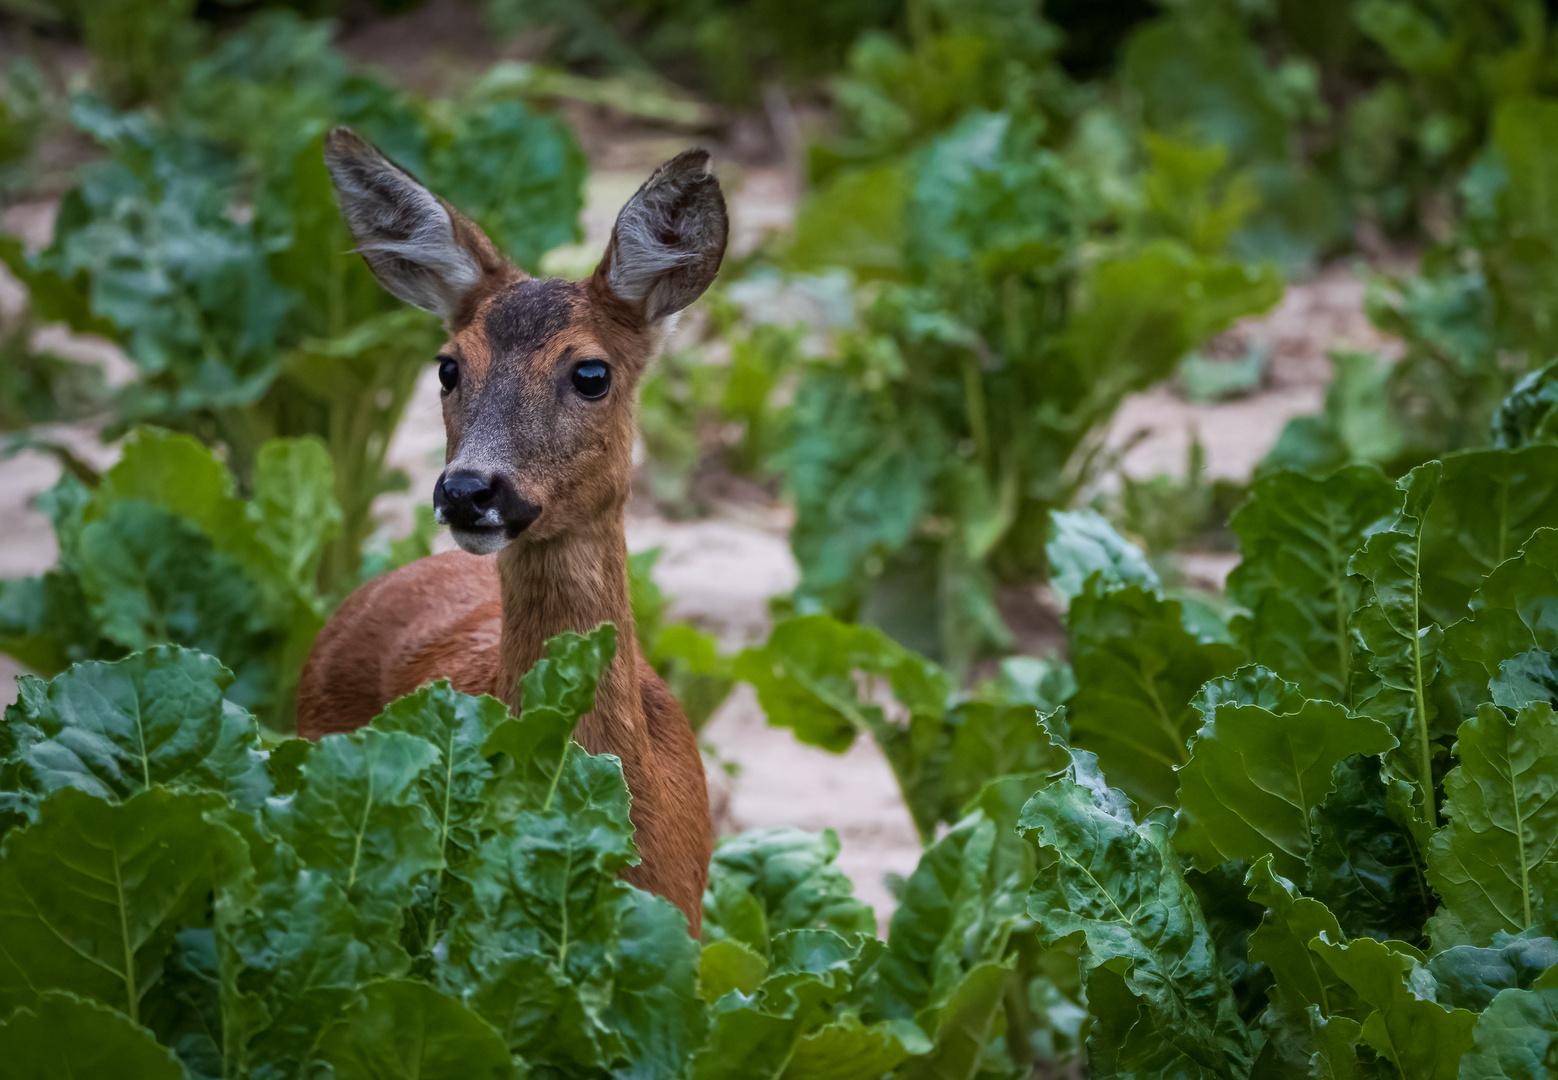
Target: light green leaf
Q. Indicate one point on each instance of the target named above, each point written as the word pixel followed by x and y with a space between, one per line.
pixel 1495 864
pixel 1256 775
pixel 400 1029
pixel 728 965
pixel 1082 543
pixel 847 1049
pixel 765 881
pixel 1296 534
pixel 294 508
pixel 62 1035
pixel 92 895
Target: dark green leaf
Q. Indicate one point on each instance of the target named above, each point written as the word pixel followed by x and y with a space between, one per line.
pixel 1516 1038
pixel 1469 976
pixel 62 1035
pixel 404 1030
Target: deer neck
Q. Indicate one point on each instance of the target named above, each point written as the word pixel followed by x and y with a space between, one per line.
pixel 574 582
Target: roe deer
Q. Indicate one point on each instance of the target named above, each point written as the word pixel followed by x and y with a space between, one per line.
pixel 539 380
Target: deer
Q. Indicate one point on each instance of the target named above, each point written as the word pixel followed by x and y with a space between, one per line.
pixel 539 381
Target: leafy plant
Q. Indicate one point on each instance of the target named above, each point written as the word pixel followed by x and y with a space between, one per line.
pixel 688 659
pixel 162 549
pixel 249 327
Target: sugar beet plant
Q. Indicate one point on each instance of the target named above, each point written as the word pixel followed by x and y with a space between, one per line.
pixel 1320 840
pixel 208 245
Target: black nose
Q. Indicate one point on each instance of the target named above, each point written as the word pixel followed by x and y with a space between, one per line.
pixel 469 500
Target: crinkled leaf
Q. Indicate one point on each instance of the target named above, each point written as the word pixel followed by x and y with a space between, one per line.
pixel 93 894
pixel 1256 775
pixel 1137 671
pixel 765 881
pixel 1495 864
pixel 294 508
pixel 1470 976
pixel 1296 534
pixel 62 1035
pixel 1119 885
pixel 1291 922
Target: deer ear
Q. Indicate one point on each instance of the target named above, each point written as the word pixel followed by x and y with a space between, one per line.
pixel 668 240
pixel 421 249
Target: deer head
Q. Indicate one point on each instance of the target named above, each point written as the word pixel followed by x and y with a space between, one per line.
pixel 539 375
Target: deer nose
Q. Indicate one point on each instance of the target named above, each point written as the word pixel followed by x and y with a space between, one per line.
pixel 463 499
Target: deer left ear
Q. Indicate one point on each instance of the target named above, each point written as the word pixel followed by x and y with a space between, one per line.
pixel 669 239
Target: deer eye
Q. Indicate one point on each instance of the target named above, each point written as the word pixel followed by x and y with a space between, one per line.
pixel 448 373
pixel 592 379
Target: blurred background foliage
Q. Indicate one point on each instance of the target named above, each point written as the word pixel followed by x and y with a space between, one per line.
pixel 1015 214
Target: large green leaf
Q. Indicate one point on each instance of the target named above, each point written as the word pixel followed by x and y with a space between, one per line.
pixel 156 717
pixel 1516 1038
pixel 1495 863
pixel 400 1029
pixel 1470 976
pixel 1146 945
pixel 92 895
pixel 1488 504
pixel 1291 922
pixel 1137 671
pixel 1400 641
pixel 1296 534
pixel 62 1035
pixel 1256 775
pixel 1415 1033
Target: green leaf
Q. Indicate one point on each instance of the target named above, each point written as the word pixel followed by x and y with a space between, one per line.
pixel 1137 670
pixel 1082 543
pixel 92 895
pixel 1256 775
pixel 856 221
pixel 1291 922
pixel 62 1035
pixel 556 691
pixel 964 1026
pixel 1146 944
pixel 1516 1038
pixel 1415 1033
pixel 765 881
pixel 1470 977
pixel 400 1029
pixel 1400 642
pixel 1495 863
pixel 1526 416
pixel 1488 504
pixel 1511 614
pixel 157 717
pixel 294 509
pixel 728 965
pixel 959 908
pixel 848 1048
pixel 359 817
pixel 1296 534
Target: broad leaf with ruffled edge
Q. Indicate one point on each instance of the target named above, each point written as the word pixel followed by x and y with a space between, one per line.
pixel 1516 1037
pixel 1083 543
pixel 1256 774
pixel 765 881
pixel 62 1035
pixel 401 1029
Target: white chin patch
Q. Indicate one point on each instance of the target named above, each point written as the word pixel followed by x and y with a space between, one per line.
pixel 480 541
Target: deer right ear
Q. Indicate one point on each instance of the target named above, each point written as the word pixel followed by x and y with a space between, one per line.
pixel 421 250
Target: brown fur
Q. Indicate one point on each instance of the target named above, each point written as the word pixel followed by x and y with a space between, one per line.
pixel 482 621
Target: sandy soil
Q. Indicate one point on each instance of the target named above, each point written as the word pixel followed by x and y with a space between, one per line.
pixel 721 571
